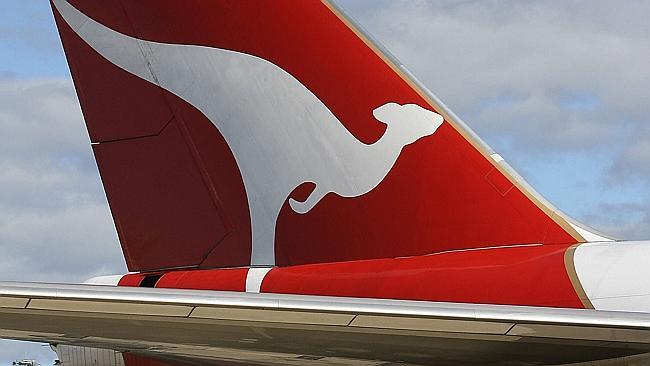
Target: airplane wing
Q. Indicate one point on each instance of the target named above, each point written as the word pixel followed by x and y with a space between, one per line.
pixel 270 329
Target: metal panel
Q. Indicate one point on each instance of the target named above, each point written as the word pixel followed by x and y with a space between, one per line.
pixel 587 333
pixel 13 302
pixel 109 307
pixel 437 325
pixel 274 316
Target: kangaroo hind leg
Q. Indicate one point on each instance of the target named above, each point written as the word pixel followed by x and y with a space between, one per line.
pixel 303 207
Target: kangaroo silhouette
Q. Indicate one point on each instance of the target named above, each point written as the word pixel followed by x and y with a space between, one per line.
pixel 371 163
pixel 281 135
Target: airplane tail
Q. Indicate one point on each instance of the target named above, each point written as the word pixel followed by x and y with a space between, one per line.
pixel 235 133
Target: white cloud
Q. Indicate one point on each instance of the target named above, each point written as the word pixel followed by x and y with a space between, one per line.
pixel 54 221
pixel 626 220
pixel 633 161
pixel 43 120
pixel 508 66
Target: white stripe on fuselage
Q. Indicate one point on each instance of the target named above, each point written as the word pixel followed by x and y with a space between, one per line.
pixel 254 278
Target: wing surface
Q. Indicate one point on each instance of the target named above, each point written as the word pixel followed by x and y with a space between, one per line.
pixel 274 329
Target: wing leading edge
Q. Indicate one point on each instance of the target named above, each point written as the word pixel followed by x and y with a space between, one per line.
pixel 292 329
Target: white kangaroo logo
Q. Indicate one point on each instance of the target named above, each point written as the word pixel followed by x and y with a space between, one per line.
pixel 280 133
pixel 369 164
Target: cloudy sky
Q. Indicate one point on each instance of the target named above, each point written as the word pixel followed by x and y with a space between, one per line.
pixel 559 88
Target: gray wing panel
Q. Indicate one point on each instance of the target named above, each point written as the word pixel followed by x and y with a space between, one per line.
pixel 274 329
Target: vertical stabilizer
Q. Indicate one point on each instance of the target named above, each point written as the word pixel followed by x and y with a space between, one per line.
pixel 235 133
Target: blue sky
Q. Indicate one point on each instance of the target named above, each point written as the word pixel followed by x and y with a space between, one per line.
pixel 557 88
pixel 29 45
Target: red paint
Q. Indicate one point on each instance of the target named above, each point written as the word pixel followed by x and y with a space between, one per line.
pixel 534 276
pixel 231 279
pixel 131 280
pixel 176 195
pixel 223 180
pixel 442 194
pixel 218 280
pixel 525 275
pixel 115 105
pixel 131 359
pixel 150 172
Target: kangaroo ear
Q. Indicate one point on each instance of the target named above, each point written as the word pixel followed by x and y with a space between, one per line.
pixel 384 112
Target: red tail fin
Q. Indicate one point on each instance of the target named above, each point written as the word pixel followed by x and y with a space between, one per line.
pixel 231 133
